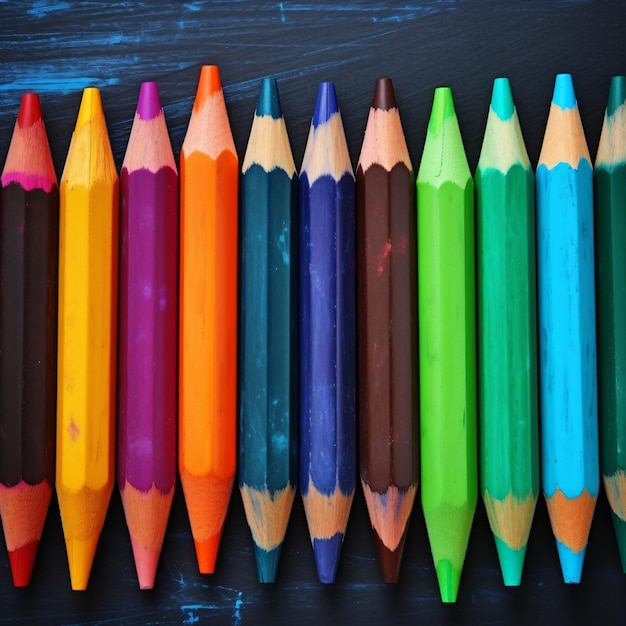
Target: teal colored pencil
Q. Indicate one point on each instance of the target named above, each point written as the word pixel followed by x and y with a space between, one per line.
pixel 567 329
pixel 507 333
pixel 610 199
pixel 268 342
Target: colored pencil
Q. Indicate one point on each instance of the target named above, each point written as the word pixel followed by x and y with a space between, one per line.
pixel 447 320
pixel 610 203
pixel 567 337
pixel 88 245
pixel 148 302
pixel 387 328
pixel 29 246
pixel 327 333
pixel 507 333
pixel 209 177
pixel 268 326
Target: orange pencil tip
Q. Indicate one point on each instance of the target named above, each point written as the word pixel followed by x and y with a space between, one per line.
pixel 206 553
pixel 208 84
pixel 30 110
pixel 22 560
pixel 80 555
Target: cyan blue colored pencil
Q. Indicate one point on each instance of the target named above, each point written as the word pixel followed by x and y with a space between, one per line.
pixel 567 329
pixel 268 337
pixel 327 333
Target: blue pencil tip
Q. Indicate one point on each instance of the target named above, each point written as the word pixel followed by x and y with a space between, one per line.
pixel 564 96
pixel 571 563
pixel 327 553
pixel 269 102
pixel 502 99
pixel 326 104
pixel 267 563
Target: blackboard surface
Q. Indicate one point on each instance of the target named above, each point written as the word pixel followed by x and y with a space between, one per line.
pixel 58 47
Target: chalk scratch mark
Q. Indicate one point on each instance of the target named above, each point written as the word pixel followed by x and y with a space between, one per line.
pixel 41 8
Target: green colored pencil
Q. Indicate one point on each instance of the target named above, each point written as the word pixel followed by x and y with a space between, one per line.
pixel 507 333
pixel 610 200
pixel 447 342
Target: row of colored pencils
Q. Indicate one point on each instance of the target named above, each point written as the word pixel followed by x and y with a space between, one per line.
pixel 277 293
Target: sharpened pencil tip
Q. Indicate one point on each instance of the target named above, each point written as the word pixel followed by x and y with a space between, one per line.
pixel 90 107
pixel 390 560
pixel 80 555
pixel 502 99
pixel 146 562
pixel 30 110
pixel 617 94
pixel 571 563
pixel 149 103
pixel 269 102
pixel 384 96
pixel 620 534
pixel 564 96
pixel 443 108
pixel 22 560
pixel 208 84
pixel 326 104
pixel 511 563
pixel 267 563
pixel 327 553
pixel 206 553
pixel 448 579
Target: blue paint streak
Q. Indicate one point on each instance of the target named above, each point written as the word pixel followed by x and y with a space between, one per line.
pixel 567 337
pixel 564 96
pixel 41 8
pixel 61 85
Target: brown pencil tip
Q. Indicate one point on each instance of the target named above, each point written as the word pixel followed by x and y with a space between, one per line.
pixel 30 110
pixel 390 560
pixel 384 97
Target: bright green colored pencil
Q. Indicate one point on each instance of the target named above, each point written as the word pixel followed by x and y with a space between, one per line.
pixel 507 333
pixel 447 342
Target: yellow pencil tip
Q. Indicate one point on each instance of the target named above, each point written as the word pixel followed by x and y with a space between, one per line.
pixel 90 106
pixel 80 554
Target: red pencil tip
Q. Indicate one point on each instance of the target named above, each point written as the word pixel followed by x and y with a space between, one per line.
pixel 30 110
pixel 208 84
pixel 22 560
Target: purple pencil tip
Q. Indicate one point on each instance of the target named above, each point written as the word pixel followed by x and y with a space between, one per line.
pixel 149 103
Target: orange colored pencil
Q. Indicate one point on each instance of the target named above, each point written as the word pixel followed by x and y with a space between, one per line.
pixel 209 174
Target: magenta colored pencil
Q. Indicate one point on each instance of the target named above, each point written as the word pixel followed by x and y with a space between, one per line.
pixel 147 348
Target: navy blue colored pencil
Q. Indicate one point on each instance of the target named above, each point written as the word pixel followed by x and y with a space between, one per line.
pixel 327 333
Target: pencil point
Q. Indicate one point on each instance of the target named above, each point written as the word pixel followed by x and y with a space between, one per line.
pixel 267 563
pixel 620 534
pixel 208 84
pixel 326 104
pixel 149 103
pixel 564 96
pixel 269 102
pixel 511 563
pixel 206 553
pixel 30 110
pixel 384 96
pixel 502 99
pixel 443 108
pixel 22 560
pixel 90 106
pixel 146 562
pixel 571 562
pixel 617 94
pixel 448 579
pixel 390 560
pixel 80 555
pixel 327 553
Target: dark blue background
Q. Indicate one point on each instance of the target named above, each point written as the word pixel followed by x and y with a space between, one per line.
pixel 58 47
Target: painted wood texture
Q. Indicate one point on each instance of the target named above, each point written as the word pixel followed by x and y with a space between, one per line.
pixel 57 48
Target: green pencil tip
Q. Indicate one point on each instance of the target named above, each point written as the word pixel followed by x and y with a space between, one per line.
pixel 620 534
pixel 511 563
pixel 617 94
pixel 443 108
pixel 448 579
pixel 502 99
